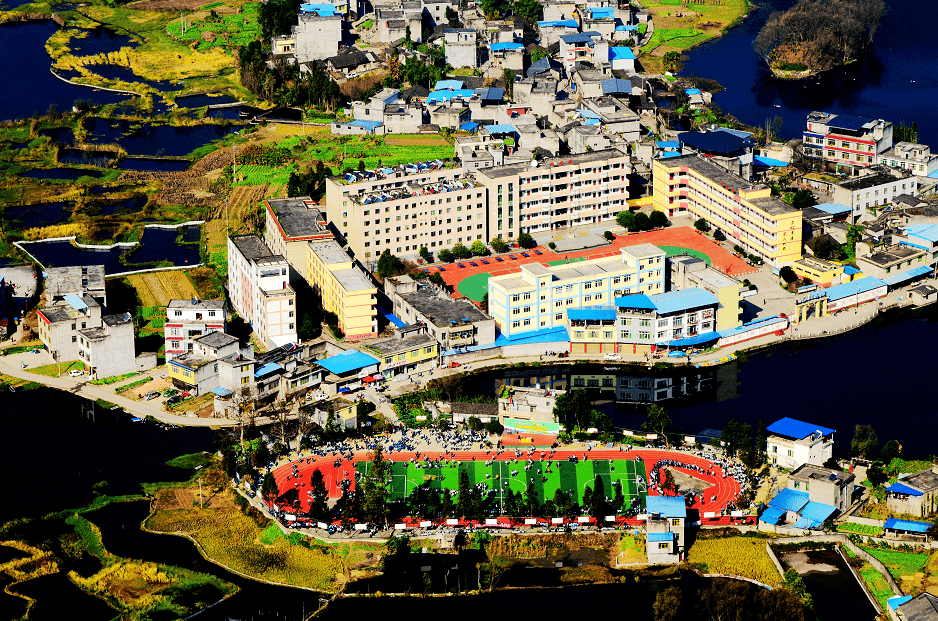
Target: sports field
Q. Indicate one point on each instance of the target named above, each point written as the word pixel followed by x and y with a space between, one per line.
pixel 565 475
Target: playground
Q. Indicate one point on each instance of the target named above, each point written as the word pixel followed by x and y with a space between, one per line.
pixel 470 277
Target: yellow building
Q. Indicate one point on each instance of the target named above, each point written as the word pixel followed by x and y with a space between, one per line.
pixel 747 213
pixel 345 289
pixel 411 349
pixel 818 271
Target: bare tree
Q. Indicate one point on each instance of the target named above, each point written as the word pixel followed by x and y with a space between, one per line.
pixel 245 409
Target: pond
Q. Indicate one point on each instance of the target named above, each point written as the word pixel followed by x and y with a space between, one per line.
pixel 99 40
pixel 232 113
pixel 39 214
pixel 65 174
pixel 28 85
pixel 124 206
pixel 58 598
pixel 59 135
pixel 160 245
pixel 86 157
pixel 836 592
pixel 154 139
pixel 149 165
pixel 197 101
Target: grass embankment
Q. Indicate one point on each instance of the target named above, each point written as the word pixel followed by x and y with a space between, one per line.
pixel 908 569
pixel 873 579
pixel 735 556
pixel 679 28
pixel 55 370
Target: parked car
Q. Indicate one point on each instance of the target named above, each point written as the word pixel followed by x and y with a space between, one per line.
pixel 185 395
pixel 153 394
pixel 173 399
pixel 612 356
pixel 76 373
pixel 169 392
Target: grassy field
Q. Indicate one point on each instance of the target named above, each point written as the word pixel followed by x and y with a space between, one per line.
pixel 631 550
pixel 566 476
pixel 231 30
pixel 735 556
pixel 678 28
pixel 860 529
pixel 158 288
pixel 340 151
pixel 54 370
pixel 676 39
pixel 907 568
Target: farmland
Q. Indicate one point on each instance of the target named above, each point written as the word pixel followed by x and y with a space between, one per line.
pixel 860 529
pixel 212 28
pixel 908 568
pixel 735 556
pixel 158 288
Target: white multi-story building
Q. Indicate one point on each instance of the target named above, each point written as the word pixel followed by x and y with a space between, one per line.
pixel 189 319
pixel 791 443
pixel 259 286
pixel 461 48
pixel 916 158
pixel 846 140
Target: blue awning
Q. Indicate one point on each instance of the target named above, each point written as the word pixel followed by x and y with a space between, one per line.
pixel 906 276
pixel 595 314
pixel 267 369
pixel 695 340
pixel 816 512
pixel 899 488
pixel 759 160
pixel 221 392
pixel 394 320
pixel 660 537
pixel 907 525
pixel 469 127
pixel 772 515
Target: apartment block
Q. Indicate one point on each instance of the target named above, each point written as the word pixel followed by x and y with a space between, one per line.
pixel 916 158
pixel 401 209
pixel 187 320
pixel 86 280
pixel 344 287
pixel 260 291
pixel 410 350
pixel 748 214
pixel 684 318
pixel 290 224
pixel 539 297
pixel 557 192
pixel 691 272
pixel 316 35
pixel 846 140
pixel 460 46
pixel 875 189
pixel 108 349
pixel 59 325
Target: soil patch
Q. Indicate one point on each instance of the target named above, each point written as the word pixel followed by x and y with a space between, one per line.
pixel 168 5
pixel 802 563
pixel 406 142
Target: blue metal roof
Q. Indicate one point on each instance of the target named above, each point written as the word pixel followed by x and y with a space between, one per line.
pixel 443 85
pixel 628 28
pixel 752 325
pixel 816 512
pixel 507 46
pixel 685 299
pixel 668 144
pixel 267 369
pixel 614 85
pixel 75 301
pixel 221 392
pixel 735 132
pixel 491 94
pixel 667 506
pixel 855 287
pixel 636 300
pixel 660 537
pixel 621 53
pixel 849 270
pixel 394 319
pixel 602 13
pixel 502 128
pixel 438 96
pixel 907 525
pixel 596 314
pixel 469 127
pixel 899 488
pixel 664 154
pixel 370 125
pixel 768 161
pixel 350 360
pixel 322 9
pixel 834 209
pixel 692 91
pixel 579 37
pixel 848 121
pixel 898 600
pixel 714 142
pixel 547 335
pixel 907 275
pixel 772 515
pixel 789 500
pixel 690 341
pixel 924 231
pixel 545 64
pixel 796 429
pixel 569 23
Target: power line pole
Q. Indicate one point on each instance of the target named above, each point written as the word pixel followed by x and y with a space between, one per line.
pixel 201 503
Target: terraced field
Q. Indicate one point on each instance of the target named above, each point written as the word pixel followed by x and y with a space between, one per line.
pixel 158 288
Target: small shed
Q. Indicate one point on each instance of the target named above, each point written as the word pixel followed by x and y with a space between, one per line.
pixel 895 528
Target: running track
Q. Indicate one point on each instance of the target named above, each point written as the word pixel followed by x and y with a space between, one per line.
pixel 724 489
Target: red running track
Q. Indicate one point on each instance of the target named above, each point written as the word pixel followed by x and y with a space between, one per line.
pixel 723 489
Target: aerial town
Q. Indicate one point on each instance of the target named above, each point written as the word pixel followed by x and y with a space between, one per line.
pixel 427 292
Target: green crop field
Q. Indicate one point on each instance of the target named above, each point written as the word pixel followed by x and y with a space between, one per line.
pixel 564 475
pixel 679 38
pixel 227 30
pixel 898 563
pixel 861 529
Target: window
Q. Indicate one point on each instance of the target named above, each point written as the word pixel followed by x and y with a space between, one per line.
pixel 664 545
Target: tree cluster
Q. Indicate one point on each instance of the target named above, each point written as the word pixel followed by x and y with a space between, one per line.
pixel 575 411
pixel 816 35
pixel 634 222
pixel 865 445
pixel 285 84
pixel 737 438
pixel 389 265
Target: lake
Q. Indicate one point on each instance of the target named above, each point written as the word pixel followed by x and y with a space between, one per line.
pixel 897 81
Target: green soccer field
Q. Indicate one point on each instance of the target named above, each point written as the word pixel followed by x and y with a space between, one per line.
pixel 564 475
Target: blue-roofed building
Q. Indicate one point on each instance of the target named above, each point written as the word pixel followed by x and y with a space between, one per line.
pixel 346 370
pixel 835 209
pixel 845 139
pixel 772 515
pixel 587 46
pixel 665 525
pixel 447 95
pixel 545 66
pixel 906 528
pixel 622 58
pixel 922 607
pixel 551 30
pixel 789 500
pixel 914 493
pixel 792 443
pixel 616 86
pixel 491 95
pixel 894 602
pixel 920 235
pixel 827 486
pixel 358 126
pixel 678 319
pixel 447 85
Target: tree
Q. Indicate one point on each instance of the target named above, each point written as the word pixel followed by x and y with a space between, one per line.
pixel 451 16
pixel 494 427
pixel 802 199
pixel 389 265
pixel 876 474
pixel 537 54
pixel 318 505
pixel 573 409
pixel 658 219
pixel 461 252
pixel 509 76
pixel 498 244
pixel 625 219
pixel 526 241
pixel 668 602
pixel 854 234
pixel 736 436
pixel 702 225
pixel 376 489
pixel 478 248
pixel 609 236
pixel 618 499
pixel 475 423
pixel 463 500
pixel 398 546
pixel 658 422
pixel 891 450
pixel 445 255
pixel 793 581
pixel 530 500
pixel 269 491
pixel 788 275
pixel 308 328
pixel 484 304
pixel 640 223
pixel 671 59
pixel 597 505
pixel 865 442
pixel 424 253
pixel 719 236
pixel 667 482
pixel 529 10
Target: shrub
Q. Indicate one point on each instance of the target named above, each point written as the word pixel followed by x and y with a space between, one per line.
pixel 608 235
pixel 702 225
pixel 552 245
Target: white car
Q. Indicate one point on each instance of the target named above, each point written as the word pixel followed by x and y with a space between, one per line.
pixel 76 373
pixel 615 357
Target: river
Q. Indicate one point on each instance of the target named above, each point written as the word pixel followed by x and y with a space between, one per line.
pixel 897 81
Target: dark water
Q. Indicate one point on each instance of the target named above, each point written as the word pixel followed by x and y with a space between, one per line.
pixel 232 114
pixel 60 135
pixel 28 85
pixel 99 41
pixel 898 81
pixel 127 205
pixel 197 101
pixel 154 140
pixel 836 593
pixel 40 214
pixel 125 74
pixel 67 174
pixel 839 382
pixel 83 157
pixel 156 245
pixel 66 601
pixel 154 165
